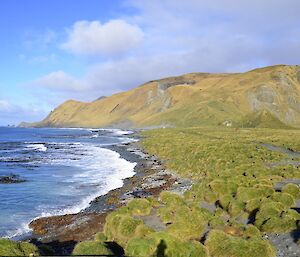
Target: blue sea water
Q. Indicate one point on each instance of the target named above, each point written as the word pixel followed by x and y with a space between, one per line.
pixel 64 170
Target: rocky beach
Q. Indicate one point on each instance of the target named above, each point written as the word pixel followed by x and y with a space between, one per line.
pixel 61 233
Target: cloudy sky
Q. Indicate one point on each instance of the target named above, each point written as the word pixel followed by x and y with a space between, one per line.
pixel 54 50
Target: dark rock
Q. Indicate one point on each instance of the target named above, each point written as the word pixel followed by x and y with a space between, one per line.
pixel 141 194
pixel 11 179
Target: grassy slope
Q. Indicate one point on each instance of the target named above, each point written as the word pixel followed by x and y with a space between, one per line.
pixel 192 100
pixel 229 170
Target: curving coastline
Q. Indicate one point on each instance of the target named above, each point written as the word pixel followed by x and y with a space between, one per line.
pixel 64 171
pixel 64 231
pixel 151 177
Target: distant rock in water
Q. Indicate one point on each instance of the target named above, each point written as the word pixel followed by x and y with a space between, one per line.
pixel 11 179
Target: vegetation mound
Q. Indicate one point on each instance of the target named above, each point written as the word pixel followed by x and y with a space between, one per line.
pixel 11 248
pixel 221 244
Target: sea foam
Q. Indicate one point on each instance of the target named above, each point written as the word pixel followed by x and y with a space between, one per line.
pixel 37 147
pixel 99 166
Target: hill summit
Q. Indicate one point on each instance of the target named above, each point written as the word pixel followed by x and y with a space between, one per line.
pixel 264 97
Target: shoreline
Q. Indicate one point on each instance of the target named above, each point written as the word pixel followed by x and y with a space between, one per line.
pixel 62 232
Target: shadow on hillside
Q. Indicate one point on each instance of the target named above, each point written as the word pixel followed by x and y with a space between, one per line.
pixel 55 247
pixel 295 235
pixel 117 250
pixel 161 248
pixel 66 248
pixel 252 216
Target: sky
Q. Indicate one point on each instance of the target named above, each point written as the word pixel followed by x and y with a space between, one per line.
pixel 55 50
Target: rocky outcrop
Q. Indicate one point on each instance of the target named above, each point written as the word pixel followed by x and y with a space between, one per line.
pixel 11 179
pixel 71 227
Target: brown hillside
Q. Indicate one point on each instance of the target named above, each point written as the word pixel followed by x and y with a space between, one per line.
pixel 270 95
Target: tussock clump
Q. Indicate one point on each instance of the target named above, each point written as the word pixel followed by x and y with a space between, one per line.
pixel 186 230
pixel 268 210
pixel 163 244
pixel 216 223
pixel 292 189
pixel 254 204
pixel 185 222
pixel 126 228
pixel 142 230
pixel 166 214
pixel 286 199
pixel 279 224
pixel 294 214
pixel 273 217
pixel 11 248
pixel 221 244
pixel 225 200
pixel 210 196
pixel 121 228
pixel 171 199
pixel 189 224
pixel 222 187
pixel 236 208
pixel 174 205
pixel 139 207
pixel 248 193
pixel 141 247
pixel 91 248
pixel 100 237
pixel 218 219
pixel 252 231
pixel 197 192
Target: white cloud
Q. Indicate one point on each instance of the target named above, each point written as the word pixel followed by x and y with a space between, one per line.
pixel 178 37
pixel 13 114
pixel 113 37
pixel 60 81
pixel 115 76
pixel 188 25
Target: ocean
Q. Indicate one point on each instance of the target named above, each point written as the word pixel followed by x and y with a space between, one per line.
pixel 63 169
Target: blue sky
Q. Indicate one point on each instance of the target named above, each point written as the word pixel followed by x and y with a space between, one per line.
pixel 54 50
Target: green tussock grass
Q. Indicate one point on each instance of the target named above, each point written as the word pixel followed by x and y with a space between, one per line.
pixel 11 248
pixel 91 248
pixel 220 244
pixel 164 244
pixel 121 228
pixel 231 172
pixel 139 207
pixel 292 189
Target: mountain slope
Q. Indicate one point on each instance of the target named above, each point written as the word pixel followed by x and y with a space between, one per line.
pixel 193 99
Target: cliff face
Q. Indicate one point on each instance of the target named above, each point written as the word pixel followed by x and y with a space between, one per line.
pixel 263 97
